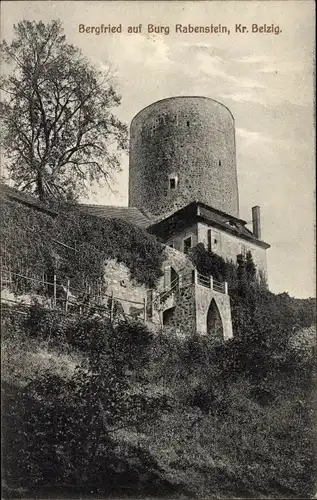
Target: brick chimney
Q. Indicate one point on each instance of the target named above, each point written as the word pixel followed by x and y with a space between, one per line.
pixel 256 221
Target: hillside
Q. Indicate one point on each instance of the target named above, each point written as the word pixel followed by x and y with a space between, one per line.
pixel 116 410
pixel 92 407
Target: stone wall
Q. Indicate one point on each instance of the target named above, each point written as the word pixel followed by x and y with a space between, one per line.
pixel 183 317
pixel 119 282
pixel 176 259
pixel 184 310
pixel 181 304
pixel 203 298
pixel 177 240
pixel 130 294
pixel 191 138
pixel 189 306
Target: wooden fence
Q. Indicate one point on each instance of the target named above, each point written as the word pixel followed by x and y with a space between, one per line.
pixel 56 294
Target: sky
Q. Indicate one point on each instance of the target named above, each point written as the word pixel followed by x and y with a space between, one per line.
pixel 265 79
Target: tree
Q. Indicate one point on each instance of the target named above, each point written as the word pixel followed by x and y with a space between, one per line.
pixel 209 263
pixel 67 425
pixel 250 267
pixel 59 134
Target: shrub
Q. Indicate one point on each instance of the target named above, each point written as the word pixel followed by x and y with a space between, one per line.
pixel 61 431
pixel 75 246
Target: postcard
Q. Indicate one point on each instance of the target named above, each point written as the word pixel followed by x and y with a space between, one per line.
pixel 158 249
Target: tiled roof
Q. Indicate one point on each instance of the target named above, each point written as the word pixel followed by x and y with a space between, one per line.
pixel 195 212
pixel 24 198
pixel 225 220
pixel 161 227
pixel 129 214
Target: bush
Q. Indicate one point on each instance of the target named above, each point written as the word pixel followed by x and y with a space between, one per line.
pixel 145 412
pixel 60 431
pixel 90 241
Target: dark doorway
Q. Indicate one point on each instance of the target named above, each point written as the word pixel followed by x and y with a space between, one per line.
pixel 168 316
pixel 214 322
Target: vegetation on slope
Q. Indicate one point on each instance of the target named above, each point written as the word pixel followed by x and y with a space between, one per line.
pixel 39 239
pixel 99 408
pixel 146 414
pixel 60 429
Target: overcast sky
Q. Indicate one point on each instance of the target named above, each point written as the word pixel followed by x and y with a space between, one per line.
pixel 266 80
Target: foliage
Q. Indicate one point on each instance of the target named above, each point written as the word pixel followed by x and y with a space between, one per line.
pixel 59 132
pixel 60 432
pixel 250 267
pixel 210 264
pixel 258 313
pixel 237 275
pixel 90 242
pixel 243 417
pixel 255 310
pixel 114 239
pixel 30 232
pixel 145 413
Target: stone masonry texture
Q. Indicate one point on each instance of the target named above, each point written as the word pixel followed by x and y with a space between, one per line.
pixel 191 138
pixel 203 298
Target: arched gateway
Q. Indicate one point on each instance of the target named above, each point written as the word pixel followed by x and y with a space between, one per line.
pixel 214 322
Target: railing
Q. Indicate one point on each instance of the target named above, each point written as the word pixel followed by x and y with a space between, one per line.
pixel 173 286
pixel 54 294
pixel 220 286
pixel 204 280
pixel 209 282
pixel 59 295
pixel 185 279
pixel 181 281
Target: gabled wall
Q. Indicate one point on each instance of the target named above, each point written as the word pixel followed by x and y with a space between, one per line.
pixel 177 240
pixel 229 246
pixel 226 245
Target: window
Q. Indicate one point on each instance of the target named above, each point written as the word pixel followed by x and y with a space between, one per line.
pixel 187 244
pixel 187 124
pixel 219 163
pixel 231 224
pixel 209 244
pixel 172 182
pixel 213 238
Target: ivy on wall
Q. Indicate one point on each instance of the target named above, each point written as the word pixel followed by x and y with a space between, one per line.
pixel 75 245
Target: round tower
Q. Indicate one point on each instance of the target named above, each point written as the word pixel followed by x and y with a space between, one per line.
pixel 182 149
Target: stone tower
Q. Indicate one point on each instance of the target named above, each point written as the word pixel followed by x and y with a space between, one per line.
pixel 183 176
pixel 182 149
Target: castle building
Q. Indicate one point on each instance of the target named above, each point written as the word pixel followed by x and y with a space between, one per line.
pixel 183 189
pixel 183 176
